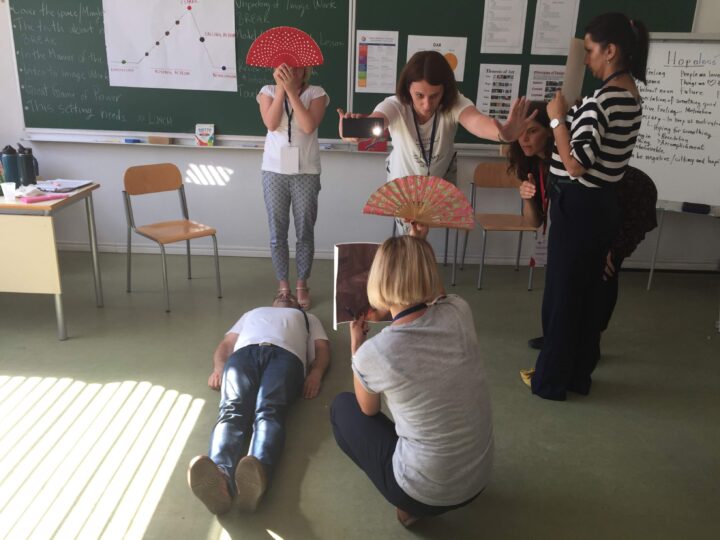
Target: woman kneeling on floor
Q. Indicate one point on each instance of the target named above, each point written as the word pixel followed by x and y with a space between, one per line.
pixel 438 453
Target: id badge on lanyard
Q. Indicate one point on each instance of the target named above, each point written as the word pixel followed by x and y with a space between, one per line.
pixel 289 155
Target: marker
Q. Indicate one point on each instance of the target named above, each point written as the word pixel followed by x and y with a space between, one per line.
pixel 249 146
pixel 130 141
pixel 326 146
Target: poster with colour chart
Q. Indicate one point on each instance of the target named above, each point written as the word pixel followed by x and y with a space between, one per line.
pixel 498 86
pixel 178 44
pixel 376 61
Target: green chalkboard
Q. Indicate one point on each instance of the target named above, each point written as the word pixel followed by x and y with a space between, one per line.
pixel 63 68
pixel 464 18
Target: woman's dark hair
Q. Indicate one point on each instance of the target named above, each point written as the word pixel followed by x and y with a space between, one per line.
pixel 521 164
pixel 629 36
pixel 433 68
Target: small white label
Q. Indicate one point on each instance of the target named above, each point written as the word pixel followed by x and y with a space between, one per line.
pixel 290 160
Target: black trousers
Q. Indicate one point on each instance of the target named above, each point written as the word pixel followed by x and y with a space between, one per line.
pixel 584 222
pixel 370 442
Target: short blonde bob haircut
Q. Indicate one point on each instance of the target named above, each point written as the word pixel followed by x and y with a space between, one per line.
pixel 403 273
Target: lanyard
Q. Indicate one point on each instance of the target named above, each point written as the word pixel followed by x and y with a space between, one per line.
pixel 427 158
pixel 408 311
pixel 614 75
pixel 543 197
pixel 289 115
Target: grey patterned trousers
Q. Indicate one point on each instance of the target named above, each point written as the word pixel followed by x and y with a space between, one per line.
pixel 280 192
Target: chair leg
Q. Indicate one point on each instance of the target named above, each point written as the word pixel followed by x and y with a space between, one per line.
pixel 464 250
pixel 530 278
pixel 455 254
pixel 217 266
pixel 129 256
pixel 447 238
pixel 187 247
pixel 482 260
pixel 165 279
pixel 517 255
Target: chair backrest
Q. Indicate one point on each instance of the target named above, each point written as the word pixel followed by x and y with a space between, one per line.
pixel 143 179
pixel 494 174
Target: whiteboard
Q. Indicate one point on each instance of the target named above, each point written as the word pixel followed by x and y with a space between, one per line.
pixel 679 141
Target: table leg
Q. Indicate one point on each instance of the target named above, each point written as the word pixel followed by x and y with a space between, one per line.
pixel 59 315
pixel 93 247
pixel 657 245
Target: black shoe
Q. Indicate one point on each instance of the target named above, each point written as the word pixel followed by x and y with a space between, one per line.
pixel 536 342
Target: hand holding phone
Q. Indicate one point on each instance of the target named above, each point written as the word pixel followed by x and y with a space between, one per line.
pixel 362 128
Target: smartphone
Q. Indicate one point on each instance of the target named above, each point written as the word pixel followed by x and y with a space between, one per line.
pixel 362 128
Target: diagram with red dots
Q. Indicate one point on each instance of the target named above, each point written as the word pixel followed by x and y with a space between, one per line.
pixel 174 44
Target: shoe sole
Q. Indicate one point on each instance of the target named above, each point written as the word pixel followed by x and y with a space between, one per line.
pixel 250 482
pixel 205 481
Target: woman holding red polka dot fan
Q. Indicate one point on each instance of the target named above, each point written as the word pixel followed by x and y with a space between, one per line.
pixel 292 110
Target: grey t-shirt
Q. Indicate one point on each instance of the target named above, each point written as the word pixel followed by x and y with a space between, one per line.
pixel 434 384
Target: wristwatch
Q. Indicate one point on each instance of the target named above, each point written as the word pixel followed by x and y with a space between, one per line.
pixel 555 122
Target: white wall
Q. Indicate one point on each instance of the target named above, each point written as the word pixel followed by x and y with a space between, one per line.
pixel 237 211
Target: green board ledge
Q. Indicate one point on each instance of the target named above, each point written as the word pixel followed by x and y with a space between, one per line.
pixel 222 142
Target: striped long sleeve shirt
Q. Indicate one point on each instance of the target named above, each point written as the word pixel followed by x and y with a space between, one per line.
pixel 603 130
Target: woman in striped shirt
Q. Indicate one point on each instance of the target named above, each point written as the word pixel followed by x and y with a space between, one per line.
pixel 593 144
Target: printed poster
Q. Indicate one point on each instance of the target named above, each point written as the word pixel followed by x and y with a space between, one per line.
pixel 452 48
pixel 178 44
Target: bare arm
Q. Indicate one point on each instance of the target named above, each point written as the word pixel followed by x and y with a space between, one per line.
pixel 271 109
pixel 308 119
pixel 369 403
pixel 557 108
pixel 530 209
pixel 489 128
pixel 313 379
pixel 220 356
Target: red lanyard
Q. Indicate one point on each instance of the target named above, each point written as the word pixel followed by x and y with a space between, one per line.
pixel 543 197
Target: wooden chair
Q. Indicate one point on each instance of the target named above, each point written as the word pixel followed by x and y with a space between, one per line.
pixel 495 175
pixel 145 179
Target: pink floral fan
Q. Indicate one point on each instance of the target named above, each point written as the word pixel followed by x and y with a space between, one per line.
pixel 429 200
pixel 284 45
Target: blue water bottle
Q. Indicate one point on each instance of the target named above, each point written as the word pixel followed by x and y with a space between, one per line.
pixel 10 165
pixel 27 166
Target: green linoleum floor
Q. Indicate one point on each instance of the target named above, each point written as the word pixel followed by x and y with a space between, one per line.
pixel 638 458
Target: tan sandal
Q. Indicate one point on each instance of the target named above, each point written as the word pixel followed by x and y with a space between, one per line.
pixel 305 304
pixel 526 375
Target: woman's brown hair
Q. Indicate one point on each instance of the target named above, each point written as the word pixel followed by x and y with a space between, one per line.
pixel 433 68
pixel 521 164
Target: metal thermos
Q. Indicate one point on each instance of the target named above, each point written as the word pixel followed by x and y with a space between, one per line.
pixel 27 166
pixel 10 165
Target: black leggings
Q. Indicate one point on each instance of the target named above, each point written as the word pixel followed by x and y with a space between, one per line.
pixel 370 442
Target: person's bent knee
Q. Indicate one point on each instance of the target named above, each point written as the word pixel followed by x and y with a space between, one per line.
pixel 344 403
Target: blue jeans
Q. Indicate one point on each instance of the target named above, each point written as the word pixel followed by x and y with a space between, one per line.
pixel 259 383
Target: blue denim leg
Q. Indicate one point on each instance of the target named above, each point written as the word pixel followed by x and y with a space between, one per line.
pixel 240 383
pixel 281 383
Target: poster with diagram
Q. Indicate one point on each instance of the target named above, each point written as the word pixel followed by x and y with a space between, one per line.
pixel 179 44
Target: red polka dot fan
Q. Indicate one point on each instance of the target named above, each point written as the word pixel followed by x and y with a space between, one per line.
pixel 426 199
pixel 284 45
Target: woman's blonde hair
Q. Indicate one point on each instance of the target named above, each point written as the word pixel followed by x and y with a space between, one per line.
pixel 403 273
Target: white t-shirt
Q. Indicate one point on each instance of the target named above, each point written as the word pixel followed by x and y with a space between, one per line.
pixel 406 157
pixel 434 383
pixel 308 144
pixel 284 327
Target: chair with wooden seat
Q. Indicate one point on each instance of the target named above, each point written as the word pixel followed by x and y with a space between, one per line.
pixel 496 175
pixel 146 179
